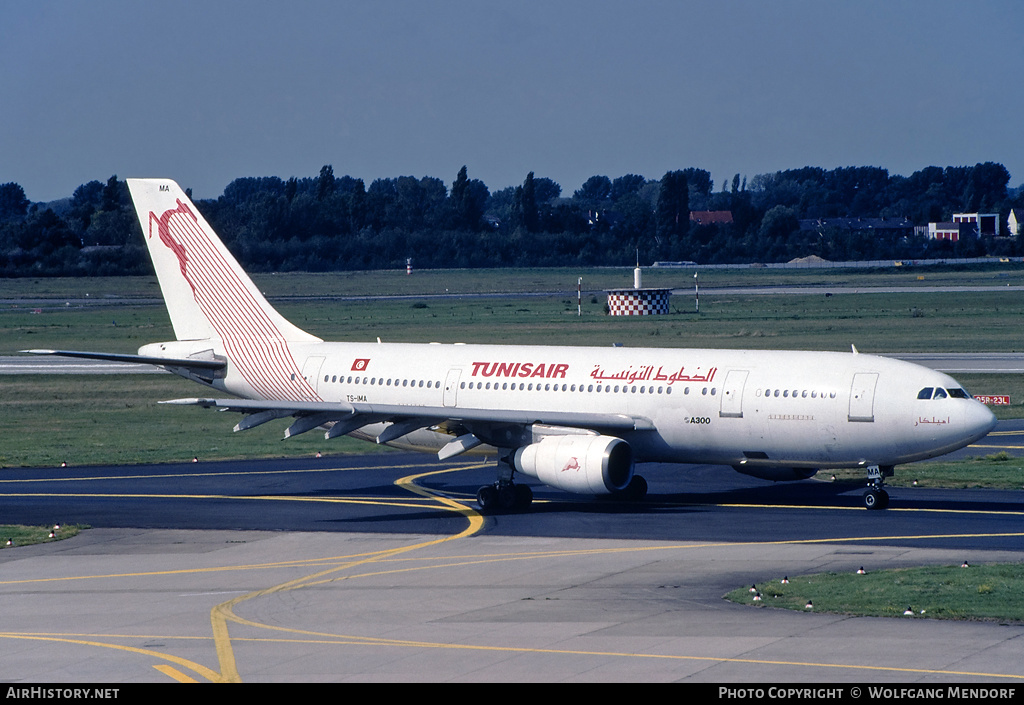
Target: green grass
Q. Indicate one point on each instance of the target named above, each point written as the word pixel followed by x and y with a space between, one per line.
pixel 982 592
pixel 19 535
pixel 111 419
pixel 996 384
pixel 910 322
pixel 437 281
pixel 904 322
pixel 996 470
pixel 993 471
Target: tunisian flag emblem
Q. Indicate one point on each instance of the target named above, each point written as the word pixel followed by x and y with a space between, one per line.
pixel 360 364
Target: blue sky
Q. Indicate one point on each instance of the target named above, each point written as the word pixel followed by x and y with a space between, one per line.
pixel 204 92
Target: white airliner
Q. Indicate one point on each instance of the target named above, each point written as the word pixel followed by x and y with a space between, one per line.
pixel 575 418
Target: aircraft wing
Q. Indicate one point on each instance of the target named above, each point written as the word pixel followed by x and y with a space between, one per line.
pixel 404 419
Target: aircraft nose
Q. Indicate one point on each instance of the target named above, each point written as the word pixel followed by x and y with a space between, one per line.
pixel 979 420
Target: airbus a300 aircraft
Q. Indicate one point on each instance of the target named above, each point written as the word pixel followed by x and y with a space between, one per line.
pixel 577 419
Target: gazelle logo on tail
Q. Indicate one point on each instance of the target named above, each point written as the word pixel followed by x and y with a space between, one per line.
pixel 166 237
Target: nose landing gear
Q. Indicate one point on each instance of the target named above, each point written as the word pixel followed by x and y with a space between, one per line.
pixel 876 497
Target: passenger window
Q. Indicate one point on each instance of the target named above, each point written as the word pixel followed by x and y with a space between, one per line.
pixel 925 393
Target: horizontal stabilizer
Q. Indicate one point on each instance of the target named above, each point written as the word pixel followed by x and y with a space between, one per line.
pixel 191 363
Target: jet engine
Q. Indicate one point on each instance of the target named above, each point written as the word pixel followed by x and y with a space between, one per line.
pixel 775 474
pixel 582 464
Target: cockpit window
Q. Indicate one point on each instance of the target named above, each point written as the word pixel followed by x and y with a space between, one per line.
pixel 940 393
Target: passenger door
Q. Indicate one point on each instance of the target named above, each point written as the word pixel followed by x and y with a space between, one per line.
pixel 862 396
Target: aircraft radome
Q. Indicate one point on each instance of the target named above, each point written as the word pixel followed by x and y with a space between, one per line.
pixel 575 418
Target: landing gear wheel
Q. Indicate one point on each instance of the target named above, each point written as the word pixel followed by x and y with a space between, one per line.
pixel 487 497
pixel 876 499
pixel 505 497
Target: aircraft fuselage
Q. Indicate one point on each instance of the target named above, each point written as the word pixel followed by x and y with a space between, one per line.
pixel 743 408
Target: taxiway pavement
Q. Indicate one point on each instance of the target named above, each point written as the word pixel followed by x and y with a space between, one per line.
pixel 378 568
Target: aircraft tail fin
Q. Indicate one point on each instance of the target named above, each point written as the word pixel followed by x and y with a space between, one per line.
pixel 208 295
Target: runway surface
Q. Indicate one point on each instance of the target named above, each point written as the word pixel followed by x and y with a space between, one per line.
pixel 378 568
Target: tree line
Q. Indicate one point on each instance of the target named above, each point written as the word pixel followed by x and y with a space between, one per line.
pixel 329 223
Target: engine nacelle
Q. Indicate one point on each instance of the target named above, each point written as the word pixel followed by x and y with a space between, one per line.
pixel 776 474
pixel 582 464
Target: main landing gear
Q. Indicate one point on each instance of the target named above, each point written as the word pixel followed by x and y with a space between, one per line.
pixel 504 495
pixel 876 497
